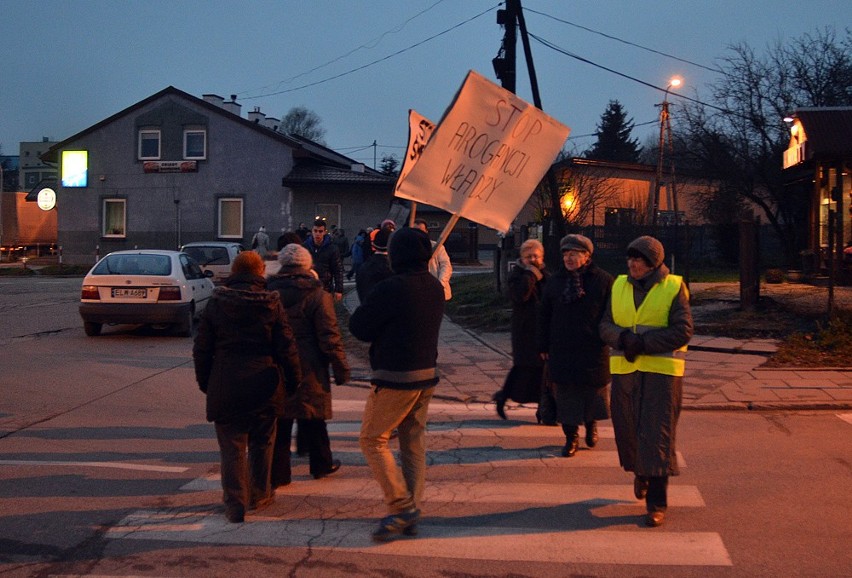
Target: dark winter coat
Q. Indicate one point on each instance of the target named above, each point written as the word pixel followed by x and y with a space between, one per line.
pixel 568 332
pixel 244 353
pixel 646 406
pixel 310 311
pixel 525 291
pixel 375 269
pixel 401 317
pixel 327 263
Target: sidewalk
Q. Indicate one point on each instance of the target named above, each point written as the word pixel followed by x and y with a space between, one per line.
pixel 721 373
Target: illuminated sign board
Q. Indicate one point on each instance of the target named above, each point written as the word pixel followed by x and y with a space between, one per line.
pixel 46 199
pixel 75 168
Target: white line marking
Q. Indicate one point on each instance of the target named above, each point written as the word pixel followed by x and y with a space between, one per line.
pixel 442 540
pixel 847 417
pixel 115 465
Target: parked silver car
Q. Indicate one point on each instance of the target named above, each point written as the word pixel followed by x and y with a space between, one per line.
pixel 215 256
pixel 160 288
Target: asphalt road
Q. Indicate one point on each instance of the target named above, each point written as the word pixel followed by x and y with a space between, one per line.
pixel 107 468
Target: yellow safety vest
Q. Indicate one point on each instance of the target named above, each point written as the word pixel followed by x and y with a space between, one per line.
pixel 653 313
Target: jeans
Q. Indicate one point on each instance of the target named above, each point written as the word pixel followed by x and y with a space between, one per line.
pixel 404 410
pixel 245 449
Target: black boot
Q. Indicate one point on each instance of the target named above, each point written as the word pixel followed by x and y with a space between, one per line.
pixel 572 440
pixel 591 434
pixel 500 401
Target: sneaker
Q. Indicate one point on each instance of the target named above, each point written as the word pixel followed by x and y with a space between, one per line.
pixel 402 523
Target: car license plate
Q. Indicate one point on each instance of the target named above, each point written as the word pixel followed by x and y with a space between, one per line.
pixel 134 293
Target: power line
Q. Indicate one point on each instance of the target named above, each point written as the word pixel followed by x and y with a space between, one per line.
pixel 362 67
pixel 587 29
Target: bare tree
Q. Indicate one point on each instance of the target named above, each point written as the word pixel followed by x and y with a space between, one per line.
pixel 304 122
pixel 583 189
pixel 739 138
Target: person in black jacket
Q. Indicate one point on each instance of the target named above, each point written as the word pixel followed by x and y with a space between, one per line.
pixel 327 260
pixel 245 356
pixel 310 311
pixel 525 382
pixel 401 318
pixel 572 306
pixel 376 267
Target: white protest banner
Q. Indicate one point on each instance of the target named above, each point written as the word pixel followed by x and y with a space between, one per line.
pixel 419 130
pixel 486 156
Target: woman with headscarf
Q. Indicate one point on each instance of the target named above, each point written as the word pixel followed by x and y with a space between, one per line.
pixel 648 323
pixel 571 309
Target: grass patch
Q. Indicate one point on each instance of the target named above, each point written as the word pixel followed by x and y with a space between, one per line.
pixel 828 345
pixel 16 272
pixel 477 305
pixel 65 270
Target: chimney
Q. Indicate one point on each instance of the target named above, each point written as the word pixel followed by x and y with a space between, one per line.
pixel 256 116
pixel 214 99
pixel 232 106
pixel 271 122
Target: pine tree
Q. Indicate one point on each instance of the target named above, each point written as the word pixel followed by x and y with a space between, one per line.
pixel 614 142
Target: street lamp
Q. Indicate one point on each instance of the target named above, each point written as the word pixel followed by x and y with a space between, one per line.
pixel 665 142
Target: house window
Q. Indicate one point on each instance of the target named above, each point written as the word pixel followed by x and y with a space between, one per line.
pixel 619 217
pixel 231 218
pixel 115 218
pixel 329 212
pixel 149 144
pixel 195 144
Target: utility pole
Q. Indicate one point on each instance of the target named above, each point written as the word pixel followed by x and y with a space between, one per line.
pixel 505 69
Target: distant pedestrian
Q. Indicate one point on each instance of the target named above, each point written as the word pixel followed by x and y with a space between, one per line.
pixel 401 319
pixel 327 261
pixel 243 348
pixel 577 358
pixel 260 242
pixel 525 382
pixel 357 251
pixel 439 264
pixel 286 238
pixel 376 268
pixel 303 232
pixel 310 311
pixel 648 324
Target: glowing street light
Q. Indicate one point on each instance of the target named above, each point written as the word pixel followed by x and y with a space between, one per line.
pixel 665 141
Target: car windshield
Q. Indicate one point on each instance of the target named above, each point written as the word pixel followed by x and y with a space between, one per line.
pixel 134 265
pixel 208 255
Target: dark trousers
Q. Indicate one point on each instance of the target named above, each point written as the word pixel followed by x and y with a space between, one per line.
pixel 316 443
pixel 245 449
pixel 657 498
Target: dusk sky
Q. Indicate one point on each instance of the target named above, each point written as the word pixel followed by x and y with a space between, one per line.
pixel 361 65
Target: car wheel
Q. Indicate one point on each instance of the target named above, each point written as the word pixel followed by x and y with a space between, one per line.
pixel 184 328
pixel 91 328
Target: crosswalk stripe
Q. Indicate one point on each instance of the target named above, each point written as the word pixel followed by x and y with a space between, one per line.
pixel 480 428
pixel 847 417
pixel 484 493
pixel 443 540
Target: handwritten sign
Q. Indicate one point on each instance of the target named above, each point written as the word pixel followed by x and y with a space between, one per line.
pixel 420 129
pixel 486 156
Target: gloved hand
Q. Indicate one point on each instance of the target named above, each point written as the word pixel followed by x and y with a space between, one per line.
pixel 341 375
pixel 536 272
pixel 631 344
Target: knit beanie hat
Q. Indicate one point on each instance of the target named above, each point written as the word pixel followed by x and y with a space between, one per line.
pixel 295 257
pixel 410 250
pixel 576 243
pixel 388 224
pixel 649 248
pixel 380 241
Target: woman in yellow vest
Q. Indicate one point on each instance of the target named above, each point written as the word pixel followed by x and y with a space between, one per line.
pixel 647 324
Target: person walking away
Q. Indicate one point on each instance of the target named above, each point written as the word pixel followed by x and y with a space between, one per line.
pixel 439 264
pixel 376 268
pixel 571 310
pixel 648 324
pixel 260 242
pixel 327 261
pixel 525 382
pixel 310 311
pixel 303 232
pixel 357 252
pixel 245 356
pixel 401 319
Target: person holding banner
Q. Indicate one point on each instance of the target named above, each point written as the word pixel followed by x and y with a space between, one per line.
pixel 439 264
pixel 401 319
pixel 572 306
pixel 648 324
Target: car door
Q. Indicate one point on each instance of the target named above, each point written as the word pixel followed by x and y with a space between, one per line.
pixel 201 287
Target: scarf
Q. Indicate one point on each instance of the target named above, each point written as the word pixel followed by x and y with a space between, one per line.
pixel 574 290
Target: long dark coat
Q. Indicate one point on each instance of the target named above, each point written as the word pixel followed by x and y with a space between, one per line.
pixel 310 311
pixel 244 352
pixel 526 378
pixel 578 362
pixel 646 406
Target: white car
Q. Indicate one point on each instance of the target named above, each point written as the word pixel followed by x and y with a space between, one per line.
pixel 150 287
pixel 215 256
